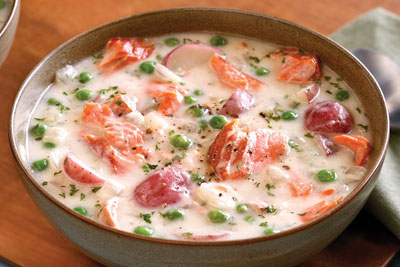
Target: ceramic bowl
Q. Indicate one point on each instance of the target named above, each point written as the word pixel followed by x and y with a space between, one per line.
pixel 7 30
pixel 114 247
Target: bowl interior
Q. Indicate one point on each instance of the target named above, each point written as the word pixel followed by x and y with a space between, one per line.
pixel 242 23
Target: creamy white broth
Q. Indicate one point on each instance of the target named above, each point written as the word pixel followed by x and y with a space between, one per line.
pixel 284 208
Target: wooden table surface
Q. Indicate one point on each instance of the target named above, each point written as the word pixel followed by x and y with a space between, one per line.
pixel 26 237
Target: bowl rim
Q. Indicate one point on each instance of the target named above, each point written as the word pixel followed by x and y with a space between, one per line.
pixel 355 192
pixel 10 17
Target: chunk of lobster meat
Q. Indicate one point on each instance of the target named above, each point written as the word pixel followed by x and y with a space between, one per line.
pixel 123 104
pixel 319 209
pixel 163 187
pixel 186 56
pixel 328 117
pixel 119 163
pixel 94 113
pixel 326 144
pixel 200 237
pixel 216 195
pixel 297 67
pixel 109 213
pixel 168 95
pixel 239 102
pixel 77 170
pixel 231 76
pixel 358 144
pixel 238 152
pixel 299 186
pixel 121 52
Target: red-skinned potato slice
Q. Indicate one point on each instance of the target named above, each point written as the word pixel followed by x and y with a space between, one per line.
pixel 122 104
pixel 319 209
pixel 79 172
pixel 358 144
pixel 121 52
pixel 238 152
pixel 239 102
pixel 311 92
pixel 186 56
pixel 231 76
pixel 168 95
pixel 297 67
pixel 328 117
pixel 326 144
pixel 163 187
pixel 109 213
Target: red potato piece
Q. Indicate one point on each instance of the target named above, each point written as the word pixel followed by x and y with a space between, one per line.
pixel 238 152
pixel 326 144
pixel 231 76
pixel 109 213
pixel 119 163
pixel 177 59
pixel 358 144
pixel 77 171
pixel 296 67
pixel 203 237
pixel 298 185
pixel 163 187
pixel 319 209
pixel 311 92
pixel 328 117
pixel 122 104
pixel 168 95
pixel 94 113
pixel 121 52
pixel 239 102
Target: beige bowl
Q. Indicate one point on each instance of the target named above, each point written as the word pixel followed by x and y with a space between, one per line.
pixel 114 247
pixel 7 31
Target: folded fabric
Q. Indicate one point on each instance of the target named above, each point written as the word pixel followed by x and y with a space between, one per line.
pixel 379 29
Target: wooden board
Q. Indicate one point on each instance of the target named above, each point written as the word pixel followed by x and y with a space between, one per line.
pixel 26 237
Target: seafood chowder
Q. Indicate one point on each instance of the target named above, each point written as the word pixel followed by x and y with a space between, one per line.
pixel 199 137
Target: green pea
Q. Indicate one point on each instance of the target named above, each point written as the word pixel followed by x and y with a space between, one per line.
pixel 197 178
pixel 173 215
pixel 190 99
pixel 40 165
pixel 269 231
pixel 198 92
pixel 261 71
pixel 218 216
pixel 242 208
pixel 218 122
pixel 147 67
pixel 2 4
pixel 342 95
pixel 326 176
pixel 38 130
pixel 203 124
pixel 249 219
pixel 197 111
pixel 81 210
pixel 83 95
pixel 85 77
pixel 143 230
pixel 171 42
pixel 181 141
pixel 218 41
pixel 289 115
pixel 53 102
pixel 49 145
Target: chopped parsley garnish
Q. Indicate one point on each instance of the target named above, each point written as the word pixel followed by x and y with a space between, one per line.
pixel 339 79
pixel 83 196
pixel 58 172
pixel 302 214
pixel 365 127
pixel 294 145
pixel 97 57
pixel 44 183
pixel 171 132
pixel 328 78
pixel 97 205
pixel 104 91
pixel 283 60
pixel 157 147
pixel 358 110
pixel 256 59
pixel 62 195
pixel 40 119
pixel 187 234
pixel 309 135
pixel 95 189
pixel 159 57
pixel 147 167
pixel 264 224
pixel 270 186
pixel 146 217
pixel 294 104
pixel 270 209
pixel 73 189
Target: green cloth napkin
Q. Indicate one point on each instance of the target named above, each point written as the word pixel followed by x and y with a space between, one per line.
pixel 379 29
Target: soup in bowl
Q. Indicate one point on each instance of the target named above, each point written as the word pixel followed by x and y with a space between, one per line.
pixel 200 142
